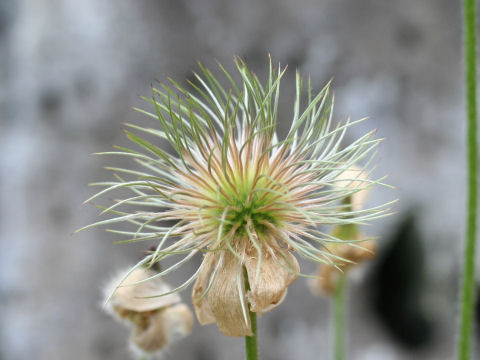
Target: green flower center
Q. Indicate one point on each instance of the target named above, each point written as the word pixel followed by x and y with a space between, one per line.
pixel 251 204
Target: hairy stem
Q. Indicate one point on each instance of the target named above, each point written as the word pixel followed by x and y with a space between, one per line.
pixel 468 281
pixel 339 318
pixel 251 342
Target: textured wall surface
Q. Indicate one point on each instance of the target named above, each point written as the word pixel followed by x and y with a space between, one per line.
pixel 70 72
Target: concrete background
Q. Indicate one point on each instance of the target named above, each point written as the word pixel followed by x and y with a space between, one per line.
pixel 70 71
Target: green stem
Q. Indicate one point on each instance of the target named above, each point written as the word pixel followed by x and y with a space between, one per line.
pixel 251 345
pixel 468 283
pixel 251 342
pixel 339 319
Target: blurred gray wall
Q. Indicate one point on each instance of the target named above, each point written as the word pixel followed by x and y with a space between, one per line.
pixel 70 71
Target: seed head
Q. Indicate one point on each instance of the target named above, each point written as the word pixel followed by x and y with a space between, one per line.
pixel 247 199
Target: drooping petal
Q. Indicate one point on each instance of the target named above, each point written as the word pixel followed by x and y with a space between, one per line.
pixel 328 274
pixel 155 330
pixel 353 254
pixel 227 299
pixel 199 299
pixel 325 281
pixel 278 269
pixel 138 297
pixel 366 252
pixel 150 337
pixel 178 322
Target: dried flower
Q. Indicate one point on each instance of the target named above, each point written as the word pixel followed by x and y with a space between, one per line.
pixel 245 198
pixel 156 321
pixel 355 247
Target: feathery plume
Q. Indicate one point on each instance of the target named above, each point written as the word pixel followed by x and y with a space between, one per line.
pixel 249 201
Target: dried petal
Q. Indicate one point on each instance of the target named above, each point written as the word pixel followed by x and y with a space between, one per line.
pixel 325 281
pixel 136 297
pixel 226 296
pixel 178 322
pixel 152 337
pixel 156 330
pixel 279 268
pixel 199 299
pixel 327 275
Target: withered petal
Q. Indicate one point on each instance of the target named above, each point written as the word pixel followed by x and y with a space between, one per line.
pixel 328 274
pixel 325 282
pixel 278 269
pixel 152 337
pixel 177 321
pixel 199 300
pixel 142 297
pixel 163 327
pixel 225 299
